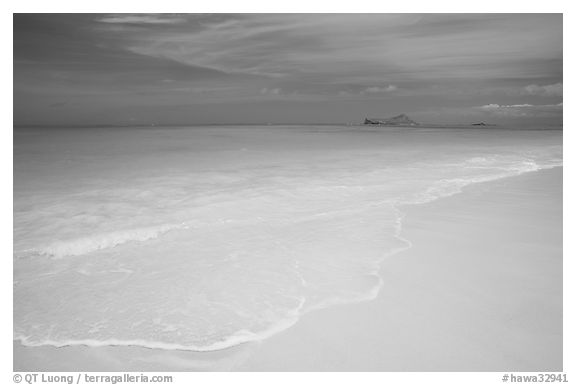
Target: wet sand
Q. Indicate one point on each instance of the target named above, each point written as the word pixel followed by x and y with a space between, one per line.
pixel 480 290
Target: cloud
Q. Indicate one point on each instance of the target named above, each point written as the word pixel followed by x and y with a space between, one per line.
pixel 381 90
pixel 270 91
pixel 494 106
pixel 360 48
pixel 500 106
pixel 548 90
pixel 142 19
pixel 523 110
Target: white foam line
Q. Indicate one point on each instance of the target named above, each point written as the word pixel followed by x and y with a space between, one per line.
pixel 85 245
pixel 240 337
pixel 375 291
pixel 456 185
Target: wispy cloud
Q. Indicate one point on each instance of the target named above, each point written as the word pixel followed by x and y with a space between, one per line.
pixel 523 110
pixel 142 19
pixel 546 90
pixel 494 106
pixel 270 91
pixel 324 51
pixel 380 90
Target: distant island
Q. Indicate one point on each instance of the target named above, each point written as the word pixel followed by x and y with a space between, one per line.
pixel 404 120
pixel 482 124
pixel 398 120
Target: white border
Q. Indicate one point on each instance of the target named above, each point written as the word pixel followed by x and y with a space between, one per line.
pixel 356 6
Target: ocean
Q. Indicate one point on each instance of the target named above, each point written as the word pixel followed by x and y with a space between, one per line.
pixel 202 238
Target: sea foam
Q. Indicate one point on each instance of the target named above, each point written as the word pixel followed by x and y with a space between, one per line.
pixel 80 246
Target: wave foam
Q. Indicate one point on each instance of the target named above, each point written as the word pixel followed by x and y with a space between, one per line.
pixel 448 187
pixel 238 338
pixel 85 245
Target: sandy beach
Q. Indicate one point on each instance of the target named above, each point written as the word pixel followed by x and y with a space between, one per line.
pixel 480 290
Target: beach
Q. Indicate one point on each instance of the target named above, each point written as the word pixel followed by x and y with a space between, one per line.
pixel 479 289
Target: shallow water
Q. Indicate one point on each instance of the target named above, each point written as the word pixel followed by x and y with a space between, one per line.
pixel 202 238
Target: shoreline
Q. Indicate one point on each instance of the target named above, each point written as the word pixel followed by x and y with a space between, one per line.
pixel 259 355
pixel 408 328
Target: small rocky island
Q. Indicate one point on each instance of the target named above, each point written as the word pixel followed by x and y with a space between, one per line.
pixel 482 124
pixel 398 120
pixel 403 120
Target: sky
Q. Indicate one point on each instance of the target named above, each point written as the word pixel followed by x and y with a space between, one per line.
pixel 178 69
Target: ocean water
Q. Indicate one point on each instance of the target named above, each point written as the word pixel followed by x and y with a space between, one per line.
pixel 201 238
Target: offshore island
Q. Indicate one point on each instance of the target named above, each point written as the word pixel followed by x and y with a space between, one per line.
pixel 405 120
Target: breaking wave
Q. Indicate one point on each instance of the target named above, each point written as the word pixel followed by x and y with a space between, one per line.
pixel 84 245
